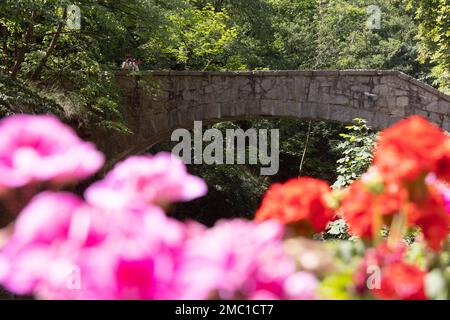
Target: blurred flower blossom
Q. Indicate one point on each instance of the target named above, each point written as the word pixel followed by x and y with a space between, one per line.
pixel 398 279
pixel 142 180
pixel 134 255
pixel 41 148
pixel 310 255
pixel 402 281
pixel 366 212
pixel 301 202
pixel 401 161
pixel 41 234
pixel 430 214
pixel 241 259
pixel 302 286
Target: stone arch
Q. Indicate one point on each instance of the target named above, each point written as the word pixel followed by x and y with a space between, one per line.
pixel 156 102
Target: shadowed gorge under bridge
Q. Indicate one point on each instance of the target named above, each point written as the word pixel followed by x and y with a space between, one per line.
pixel 156 102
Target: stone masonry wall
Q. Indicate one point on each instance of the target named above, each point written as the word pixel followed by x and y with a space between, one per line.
pixel 156 103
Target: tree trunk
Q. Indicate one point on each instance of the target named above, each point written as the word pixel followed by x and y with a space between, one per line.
pixel 37 72
pixel 23 50
pixel 5 47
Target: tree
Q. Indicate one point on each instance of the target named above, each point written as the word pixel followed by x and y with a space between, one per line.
pixel 433 17
pixel 194 37
pixel 334 35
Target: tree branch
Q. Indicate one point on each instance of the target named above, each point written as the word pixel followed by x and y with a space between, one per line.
pixel 37 72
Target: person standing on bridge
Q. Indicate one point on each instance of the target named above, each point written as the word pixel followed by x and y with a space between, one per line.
pixel 130 63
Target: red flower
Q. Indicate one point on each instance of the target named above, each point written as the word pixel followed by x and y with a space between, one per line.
pixel 366 212
pixel 431 216
pixel 397 279
pixel 410 149
pixel 380 256
pixel 401 281
pixel 300 200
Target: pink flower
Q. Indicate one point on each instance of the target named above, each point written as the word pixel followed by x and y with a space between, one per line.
pixel 41 148
pixel 141 259
pixel 62 248
pixel 41 233
pixel 445 191
pixel 242 259
pixel 301 286
pixel 138 261
pixel 148 263
pixel 159 179
pixel 442 187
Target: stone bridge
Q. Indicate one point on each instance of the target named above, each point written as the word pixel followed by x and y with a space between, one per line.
pixel 156 103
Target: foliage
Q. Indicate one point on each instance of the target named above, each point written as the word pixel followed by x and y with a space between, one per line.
pixel 337 230
pixel 17 97
pixel 333 34
pixel 195 37
pixel 356 149
pixel 434 35
pixel 38 46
